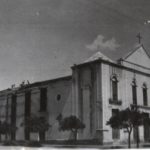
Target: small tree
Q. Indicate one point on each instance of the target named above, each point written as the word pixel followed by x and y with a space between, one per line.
pixel 71 123
pixel 36 124
pixel 6 129
pixel 127 119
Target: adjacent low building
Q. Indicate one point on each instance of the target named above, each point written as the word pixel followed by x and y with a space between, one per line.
pixel 47 98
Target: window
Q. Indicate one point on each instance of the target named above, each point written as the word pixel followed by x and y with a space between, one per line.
pixel 43 99
pixel 115 88
pixel 145 103
pixel 13 115
pixel 27 112
pixel 27 103
pixel 115 132
pixel 134 92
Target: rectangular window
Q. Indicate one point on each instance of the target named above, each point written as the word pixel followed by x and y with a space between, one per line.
pixel 134 94
pixel 27 103
pixel 27 112
pixel 115 132
pixel 43 99
pixel 13 115
pixel 145 96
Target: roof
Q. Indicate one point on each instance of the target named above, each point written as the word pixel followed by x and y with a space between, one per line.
pixel 40 83
pixel 131 52
pixel 110 63
pixel 97 56
pixel 50 81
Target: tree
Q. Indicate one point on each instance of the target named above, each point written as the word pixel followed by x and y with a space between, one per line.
pixel 71 123
pixel 127 119
pixel 6 129
pixel 36 124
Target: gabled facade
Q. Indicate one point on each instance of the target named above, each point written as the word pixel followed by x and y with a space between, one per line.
pixel 137 59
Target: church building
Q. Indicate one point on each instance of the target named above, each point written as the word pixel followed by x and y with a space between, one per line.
pixel 96 90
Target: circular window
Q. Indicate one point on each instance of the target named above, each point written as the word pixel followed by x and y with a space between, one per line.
pixel 58 97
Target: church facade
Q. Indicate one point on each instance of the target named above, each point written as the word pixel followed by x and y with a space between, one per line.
pixel 102 87
pixel 97 89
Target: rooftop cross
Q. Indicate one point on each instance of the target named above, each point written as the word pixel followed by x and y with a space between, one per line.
pixel 139 37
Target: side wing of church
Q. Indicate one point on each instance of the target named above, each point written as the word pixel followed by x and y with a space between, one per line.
pixel 97 89
pixel 46 99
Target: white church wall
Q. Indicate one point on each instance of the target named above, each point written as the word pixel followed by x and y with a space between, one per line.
pixel 87 88
pixel 75 92
pixel 3 100
pixel 35 100
pixel 98 107
pixel 35 108
pixel 105 100
pixel 55 107
pixel 125 79
pixel 20 116
pixel 85 100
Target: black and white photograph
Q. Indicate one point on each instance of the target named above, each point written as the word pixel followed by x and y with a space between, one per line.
pixel 74 74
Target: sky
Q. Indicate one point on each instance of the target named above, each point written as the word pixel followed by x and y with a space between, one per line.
pixel 42 39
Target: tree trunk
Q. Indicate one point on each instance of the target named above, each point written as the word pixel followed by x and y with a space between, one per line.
pixel 137 138
pixel 129 140
pixel 75 135
pixel 6 136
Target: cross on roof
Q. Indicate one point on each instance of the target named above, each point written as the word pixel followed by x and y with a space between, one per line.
pixel 139 37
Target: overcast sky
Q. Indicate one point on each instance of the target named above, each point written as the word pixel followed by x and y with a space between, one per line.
pixel 41 39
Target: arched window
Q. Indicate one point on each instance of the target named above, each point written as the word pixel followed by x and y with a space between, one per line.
pixel 145 103
pixel 134 92
pixel 114 88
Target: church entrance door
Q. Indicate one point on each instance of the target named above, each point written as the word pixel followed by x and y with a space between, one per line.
pixel 146 129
